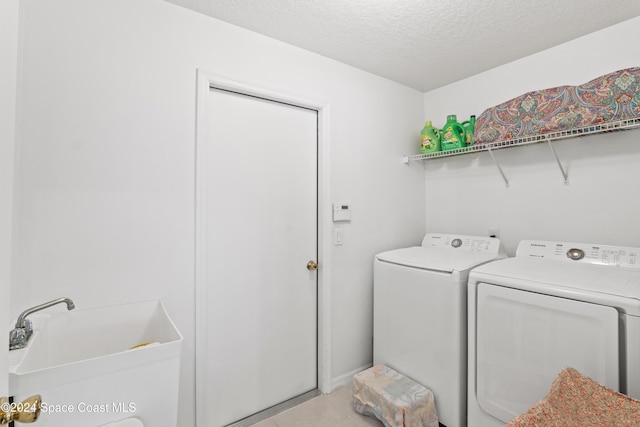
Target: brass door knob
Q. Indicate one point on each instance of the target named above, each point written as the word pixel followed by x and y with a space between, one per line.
pixel 26 411
pixel 311 266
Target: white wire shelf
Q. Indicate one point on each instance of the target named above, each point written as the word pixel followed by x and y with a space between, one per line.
pixel 547 137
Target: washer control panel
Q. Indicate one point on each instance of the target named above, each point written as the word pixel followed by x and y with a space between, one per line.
pixel 480 244
pixel 616 256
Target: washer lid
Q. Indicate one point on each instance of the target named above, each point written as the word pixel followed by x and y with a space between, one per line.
pixel 588 282
pixel 441 259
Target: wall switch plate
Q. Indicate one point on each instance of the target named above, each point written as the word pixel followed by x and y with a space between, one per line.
pixel 338 236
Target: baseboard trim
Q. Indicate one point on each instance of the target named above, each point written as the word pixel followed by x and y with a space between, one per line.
pixel 274 410
pixel 346 378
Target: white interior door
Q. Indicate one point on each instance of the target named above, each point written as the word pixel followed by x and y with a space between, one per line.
pixel 259 219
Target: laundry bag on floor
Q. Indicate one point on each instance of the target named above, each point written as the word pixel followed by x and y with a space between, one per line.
pixel 397 401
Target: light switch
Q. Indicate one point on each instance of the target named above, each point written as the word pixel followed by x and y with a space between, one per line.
pixel 338 236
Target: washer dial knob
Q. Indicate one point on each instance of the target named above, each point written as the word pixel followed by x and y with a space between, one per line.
pixel 575 254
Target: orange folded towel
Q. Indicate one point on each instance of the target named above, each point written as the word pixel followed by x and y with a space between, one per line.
pixel 575 400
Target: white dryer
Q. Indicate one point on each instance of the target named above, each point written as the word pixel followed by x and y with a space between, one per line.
pixel 420 325
pixel 554 305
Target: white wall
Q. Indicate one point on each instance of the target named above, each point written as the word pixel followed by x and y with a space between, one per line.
pixel 105 176
pixel 9 24
pixel 466 194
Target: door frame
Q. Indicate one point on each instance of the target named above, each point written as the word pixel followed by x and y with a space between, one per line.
pixel 10 15
pixel 207 80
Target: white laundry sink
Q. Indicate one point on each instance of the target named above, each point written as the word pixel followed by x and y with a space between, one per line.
pixel 115 358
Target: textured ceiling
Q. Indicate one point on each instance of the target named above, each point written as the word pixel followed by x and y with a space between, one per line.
pixel 423 44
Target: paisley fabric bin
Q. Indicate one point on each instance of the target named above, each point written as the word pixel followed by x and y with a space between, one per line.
pixel 609 98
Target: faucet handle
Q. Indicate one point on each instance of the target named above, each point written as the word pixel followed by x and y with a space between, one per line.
pixel 18 337
pixel 28 326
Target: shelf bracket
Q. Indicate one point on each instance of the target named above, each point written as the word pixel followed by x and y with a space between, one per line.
pixel 504 177
pixel 562 169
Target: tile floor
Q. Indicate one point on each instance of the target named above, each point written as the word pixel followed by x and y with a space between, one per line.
pixel 329 410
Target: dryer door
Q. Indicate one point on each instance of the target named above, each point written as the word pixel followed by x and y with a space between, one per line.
pixel 525 339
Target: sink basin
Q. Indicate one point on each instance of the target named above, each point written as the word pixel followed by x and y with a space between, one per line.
pixel 94 351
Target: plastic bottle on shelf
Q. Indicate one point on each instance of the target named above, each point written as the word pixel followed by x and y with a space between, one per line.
pixel 453 135
pixel 469 126
pixel 430 138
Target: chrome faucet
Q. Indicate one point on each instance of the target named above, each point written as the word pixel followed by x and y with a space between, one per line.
pixel 19 336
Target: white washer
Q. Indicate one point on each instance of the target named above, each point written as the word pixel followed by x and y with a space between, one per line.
pixel 555 305
pixel 420 325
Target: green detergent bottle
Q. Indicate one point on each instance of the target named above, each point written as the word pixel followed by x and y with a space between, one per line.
pixel 453 135
pixel 468 126
pixel 430 138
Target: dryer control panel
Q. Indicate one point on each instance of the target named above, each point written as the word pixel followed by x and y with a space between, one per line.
pixel 481 244
pixel 615 256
